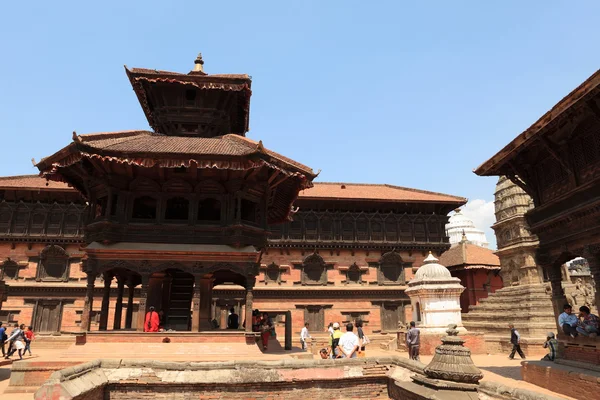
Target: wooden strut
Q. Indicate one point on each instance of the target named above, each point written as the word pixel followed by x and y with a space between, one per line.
pixel 546 144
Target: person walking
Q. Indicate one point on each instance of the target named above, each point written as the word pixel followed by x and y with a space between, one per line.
pixel 17 339
pixel 265 330
pixel 363 340
pixel 515 339
pixel 413 341
pixel 304 335
pixel 29 336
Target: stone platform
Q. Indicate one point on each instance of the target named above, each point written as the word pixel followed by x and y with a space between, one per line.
pixel 221 336
pixel 564 378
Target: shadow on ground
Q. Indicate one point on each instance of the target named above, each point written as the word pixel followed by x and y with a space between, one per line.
pixel 507 372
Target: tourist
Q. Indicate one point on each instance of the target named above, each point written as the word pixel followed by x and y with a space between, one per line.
pixel 304 335
pixel 363 340
pixel 3 338
pixel 152 322
pixel 233 321
pixel 29 336
pixel 17 337
pixel 266 326
pixel 334 340
pixel 330 328
pixel 348 344
pixel 568 321
pixel 324 353
pixel 551 344
pixel 588 324
pixel 413 341
pixel 11 342
pixel 515 339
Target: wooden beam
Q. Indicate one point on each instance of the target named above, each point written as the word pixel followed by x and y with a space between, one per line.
pixel 591 104
pixel 252 173
pixel 278 182
pixel 273 176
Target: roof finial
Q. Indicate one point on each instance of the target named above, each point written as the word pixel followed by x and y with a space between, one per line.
pixel 464 236
pixel 199 64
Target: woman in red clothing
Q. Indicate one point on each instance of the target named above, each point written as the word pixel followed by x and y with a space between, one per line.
pixel 265 330
pixel 152 322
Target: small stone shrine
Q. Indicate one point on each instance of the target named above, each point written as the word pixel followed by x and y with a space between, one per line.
pixel 450 375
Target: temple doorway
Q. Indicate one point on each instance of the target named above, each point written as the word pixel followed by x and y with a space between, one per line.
pixel 47 315
pixel 170 293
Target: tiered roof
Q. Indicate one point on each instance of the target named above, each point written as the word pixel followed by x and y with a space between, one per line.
pixel 465 255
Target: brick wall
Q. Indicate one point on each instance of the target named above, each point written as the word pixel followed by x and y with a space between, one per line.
pixel 569 381
pixel 355 388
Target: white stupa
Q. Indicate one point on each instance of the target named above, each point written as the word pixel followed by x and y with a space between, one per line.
pixel 435 297
pixel 459 224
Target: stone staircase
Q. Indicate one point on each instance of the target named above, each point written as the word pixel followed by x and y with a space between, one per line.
pixel 528 307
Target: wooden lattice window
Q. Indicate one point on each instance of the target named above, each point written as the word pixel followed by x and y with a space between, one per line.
pixel 71 224
pixel 376 229
pixel 54 264
pixel 177 209
pixel 20 221
pixel 209 209
pixel 10 270
pixel 144 207
pixel 391 269
pixel 37 224
pixel 326 228
pixel 273 273
pixel 54 222
pixel 348 228
pixel 391 229
pixel 310 227
pixel 314 270
pixel 354 274
pixel 362 228
pixel 5 214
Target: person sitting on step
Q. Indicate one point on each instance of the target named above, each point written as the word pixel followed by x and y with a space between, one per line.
pixel 568 321
pixel 588 325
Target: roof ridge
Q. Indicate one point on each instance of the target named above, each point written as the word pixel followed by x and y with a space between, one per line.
pixel 107 135
pixel 392 187
pixel 20 176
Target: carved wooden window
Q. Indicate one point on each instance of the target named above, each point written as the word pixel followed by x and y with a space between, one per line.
pixel 37 224
pixel 362 228
pixel 209 210
pixel 348 228
pixel 114 205
pixel 354 274
pixel 101 206
pixel 310 227
pixel 272 273
pixel 9 317
pixel 391 229
pixel 54 222
pixel 434 229
pixel 54 264
pixel 406 234
pixel 391 270
pixel 376 229
pixel 20 221
pixel 10 270
pixel 326 228
pixel 314 270
pixel 295 230
pixel 71 224
pixel 5 214
pixel 144 207
pixel 249 211
pixel 177 209
pixel 420 235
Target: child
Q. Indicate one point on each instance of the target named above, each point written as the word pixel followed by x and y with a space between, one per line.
pixel 551 344
pixel 29 336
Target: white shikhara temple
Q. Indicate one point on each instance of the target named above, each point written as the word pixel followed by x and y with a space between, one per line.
pixel 459 224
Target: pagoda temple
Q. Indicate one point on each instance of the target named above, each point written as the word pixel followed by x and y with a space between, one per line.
pixel 194 218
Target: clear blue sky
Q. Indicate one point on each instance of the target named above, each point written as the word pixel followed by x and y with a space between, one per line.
pixel 393 92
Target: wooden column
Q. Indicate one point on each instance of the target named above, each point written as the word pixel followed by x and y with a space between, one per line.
pixel 249 301
pixel 142 305
pixel 119 304
pixel 558 294
pixel 196 303
pixel 86 315
pixel 205 303
pixel 105 302
pixel 129 313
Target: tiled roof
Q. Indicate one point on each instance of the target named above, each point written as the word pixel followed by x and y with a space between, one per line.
pixel 465 254
pixel 375 192
pixel 180 76
pixel 29 182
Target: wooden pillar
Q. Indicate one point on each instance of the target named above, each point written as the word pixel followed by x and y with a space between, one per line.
pixel 288 330
pixel 196 303
pixel 558 294
pixel 119 304
pixel 249 301
pixel 129 313
pixel 105 302
pixel 86 315
pixel 205 303
pixel 142 305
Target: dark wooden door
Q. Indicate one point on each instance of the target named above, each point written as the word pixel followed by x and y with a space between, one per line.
pixel 389 317
pixel 47 316
pixel 315 316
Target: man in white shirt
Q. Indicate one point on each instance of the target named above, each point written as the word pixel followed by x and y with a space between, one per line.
pixel 304 335
pixel 348 344
pixel 568 321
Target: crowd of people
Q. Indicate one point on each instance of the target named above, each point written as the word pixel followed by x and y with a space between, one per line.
pixel 19 340
pixel 341 345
